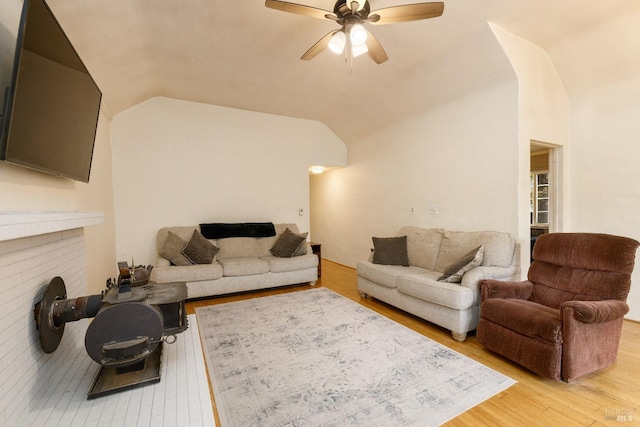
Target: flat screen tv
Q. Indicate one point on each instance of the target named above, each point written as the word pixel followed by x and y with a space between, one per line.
pixel 51 107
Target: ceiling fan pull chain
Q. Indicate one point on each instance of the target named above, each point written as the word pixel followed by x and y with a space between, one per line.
pixel 349 50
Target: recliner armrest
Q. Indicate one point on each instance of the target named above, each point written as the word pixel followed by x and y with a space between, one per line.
pixel 507 290
pixel 596 311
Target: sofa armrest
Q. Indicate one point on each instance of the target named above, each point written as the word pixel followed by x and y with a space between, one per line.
pixel 507 290
pixel 473 277
pixel 162 262
pixel 596 311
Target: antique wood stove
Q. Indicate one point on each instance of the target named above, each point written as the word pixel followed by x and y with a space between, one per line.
pixel 132 318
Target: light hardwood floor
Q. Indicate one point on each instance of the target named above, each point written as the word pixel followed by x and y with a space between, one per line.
pixel 594 400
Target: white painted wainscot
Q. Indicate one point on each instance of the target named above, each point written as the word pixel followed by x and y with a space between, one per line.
pixel 50 389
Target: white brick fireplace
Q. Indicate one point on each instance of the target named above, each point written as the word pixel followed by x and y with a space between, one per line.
pixel 50 389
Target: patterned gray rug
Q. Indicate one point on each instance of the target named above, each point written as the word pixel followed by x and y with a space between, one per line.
pixel 315 358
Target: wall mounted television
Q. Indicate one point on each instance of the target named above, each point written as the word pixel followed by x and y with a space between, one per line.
pixel 50 111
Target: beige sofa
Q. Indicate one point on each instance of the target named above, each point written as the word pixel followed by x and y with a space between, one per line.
pixel 242 264
pixel 416 288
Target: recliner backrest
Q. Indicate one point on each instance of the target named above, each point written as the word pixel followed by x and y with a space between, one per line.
pixel 581 266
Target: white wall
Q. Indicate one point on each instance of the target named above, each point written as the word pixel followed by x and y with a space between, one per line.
pixel 543 101
pixel 100 240
pixel 26 266
pixel 461 156
pixel 604 175
pixel 596 124
pixel 543 111
pixel 23 189
pixel 184 163
pixel 604 130
pixel 410 165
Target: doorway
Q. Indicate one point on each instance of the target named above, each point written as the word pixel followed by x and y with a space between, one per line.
pixel 545 197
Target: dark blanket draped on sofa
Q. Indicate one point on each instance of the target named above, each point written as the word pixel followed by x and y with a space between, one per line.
pixel 245 229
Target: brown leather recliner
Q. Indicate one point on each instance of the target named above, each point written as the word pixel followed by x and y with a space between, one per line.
pixel 565 321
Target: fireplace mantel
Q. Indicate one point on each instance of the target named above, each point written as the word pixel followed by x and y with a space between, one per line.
pixel 16 225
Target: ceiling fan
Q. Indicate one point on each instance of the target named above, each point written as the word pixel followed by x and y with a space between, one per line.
pixel 353 39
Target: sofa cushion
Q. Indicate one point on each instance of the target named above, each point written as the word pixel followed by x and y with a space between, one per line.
pixel 189 273
pixel 454 272
pixel 243 266
pixel 390 251
pixel 281 265
pixel 422 245
pixel 171 249
pixel 199 250
pixel 288 244
pixel 238 247
pixel 385 275
pixel 425 286
pixel 498 248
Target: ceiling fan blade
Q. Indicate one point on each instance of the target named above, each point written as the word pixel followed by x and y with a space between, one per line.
pixel 299 9
pixel 406 13
pixel 318 47
pixel 376 52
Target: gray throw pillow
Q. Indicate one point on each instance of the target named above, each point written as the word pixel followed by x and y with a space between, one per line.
pixel 287 244
pixel 454 272
pixel 172 250
pixel 302 250
pixel 390 251
pixel 199 250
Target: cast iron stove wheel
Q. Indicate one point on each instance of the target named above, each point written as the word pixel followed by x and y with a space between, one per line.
pixel 50 332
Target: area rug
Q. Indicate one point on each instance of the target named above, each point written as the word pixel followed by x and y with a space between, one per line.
pixel 316 358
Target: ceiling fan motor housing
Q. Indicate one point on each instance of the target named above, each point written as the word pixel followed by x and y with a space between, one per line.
pixel 342 9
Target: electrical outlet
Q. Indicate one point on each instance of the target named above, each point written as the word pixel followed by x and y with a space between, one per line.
pixel 433 209
pixel 301 212
pixel 413 211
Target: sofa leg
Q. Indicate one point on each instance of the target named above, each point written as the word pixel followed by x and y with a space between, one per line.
pixel 460 337
pixel 313 282
pixel 362 294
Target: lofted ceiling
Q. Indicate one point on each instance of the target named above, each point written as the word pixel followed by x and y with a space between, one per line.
pixel 240 54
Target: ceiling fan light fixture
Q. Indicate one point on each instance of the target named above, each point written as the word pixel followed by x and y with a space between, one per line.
pixel 357 34
pixel 359 49
pixel 337 42
pixel 350 15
